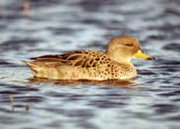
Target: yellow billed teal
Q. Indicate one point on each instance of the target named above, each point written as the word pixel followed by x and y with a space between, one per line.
pixel 114 63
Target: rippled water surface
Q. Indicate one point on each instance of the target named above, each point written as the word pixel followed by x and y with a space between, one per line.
pixel 55 26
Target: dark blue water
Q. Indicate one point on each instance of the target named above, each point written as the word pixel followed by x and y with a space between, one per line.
pixel 55 26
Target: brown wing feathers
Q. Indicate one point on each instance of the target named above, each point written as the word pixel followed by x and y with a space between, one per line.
pixel 77 58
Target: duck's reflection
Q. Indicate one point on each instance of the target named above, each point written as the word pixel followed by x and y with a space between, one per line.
pixel 116 83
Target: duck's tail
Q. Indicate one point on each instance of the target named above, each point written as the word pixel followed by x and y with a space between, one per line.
pixel 33 67
pixel 44 70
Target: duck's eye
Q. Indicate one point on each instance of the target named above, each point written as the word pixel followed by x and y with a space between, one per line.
pixel 128 44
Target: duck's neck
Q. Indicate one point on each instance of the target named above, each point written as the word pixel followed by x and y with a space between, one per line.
pixel 119 57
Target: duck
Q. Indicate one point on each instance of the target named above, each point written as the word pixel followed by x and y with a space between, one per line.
pixel 112 64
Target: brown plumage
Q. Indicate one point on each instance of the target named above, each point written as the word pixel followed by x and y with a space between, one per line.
pixel 91 65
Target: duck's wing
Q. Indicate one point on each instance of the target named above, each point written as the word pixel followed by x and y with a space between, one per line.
pixel 84 59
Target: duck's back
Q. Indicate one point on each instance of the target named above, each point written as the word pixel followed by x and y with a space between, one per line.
pixel 89 65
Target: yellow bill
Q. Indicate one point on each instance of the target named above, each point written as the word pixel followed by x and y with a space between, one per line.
pixel 142 55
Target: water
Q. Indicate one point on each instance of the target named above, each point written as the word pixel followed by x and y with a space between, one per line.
pixel 151 101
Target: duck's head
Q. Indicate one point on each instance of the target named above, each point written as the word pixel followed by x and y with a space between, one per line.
pixel 124 48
